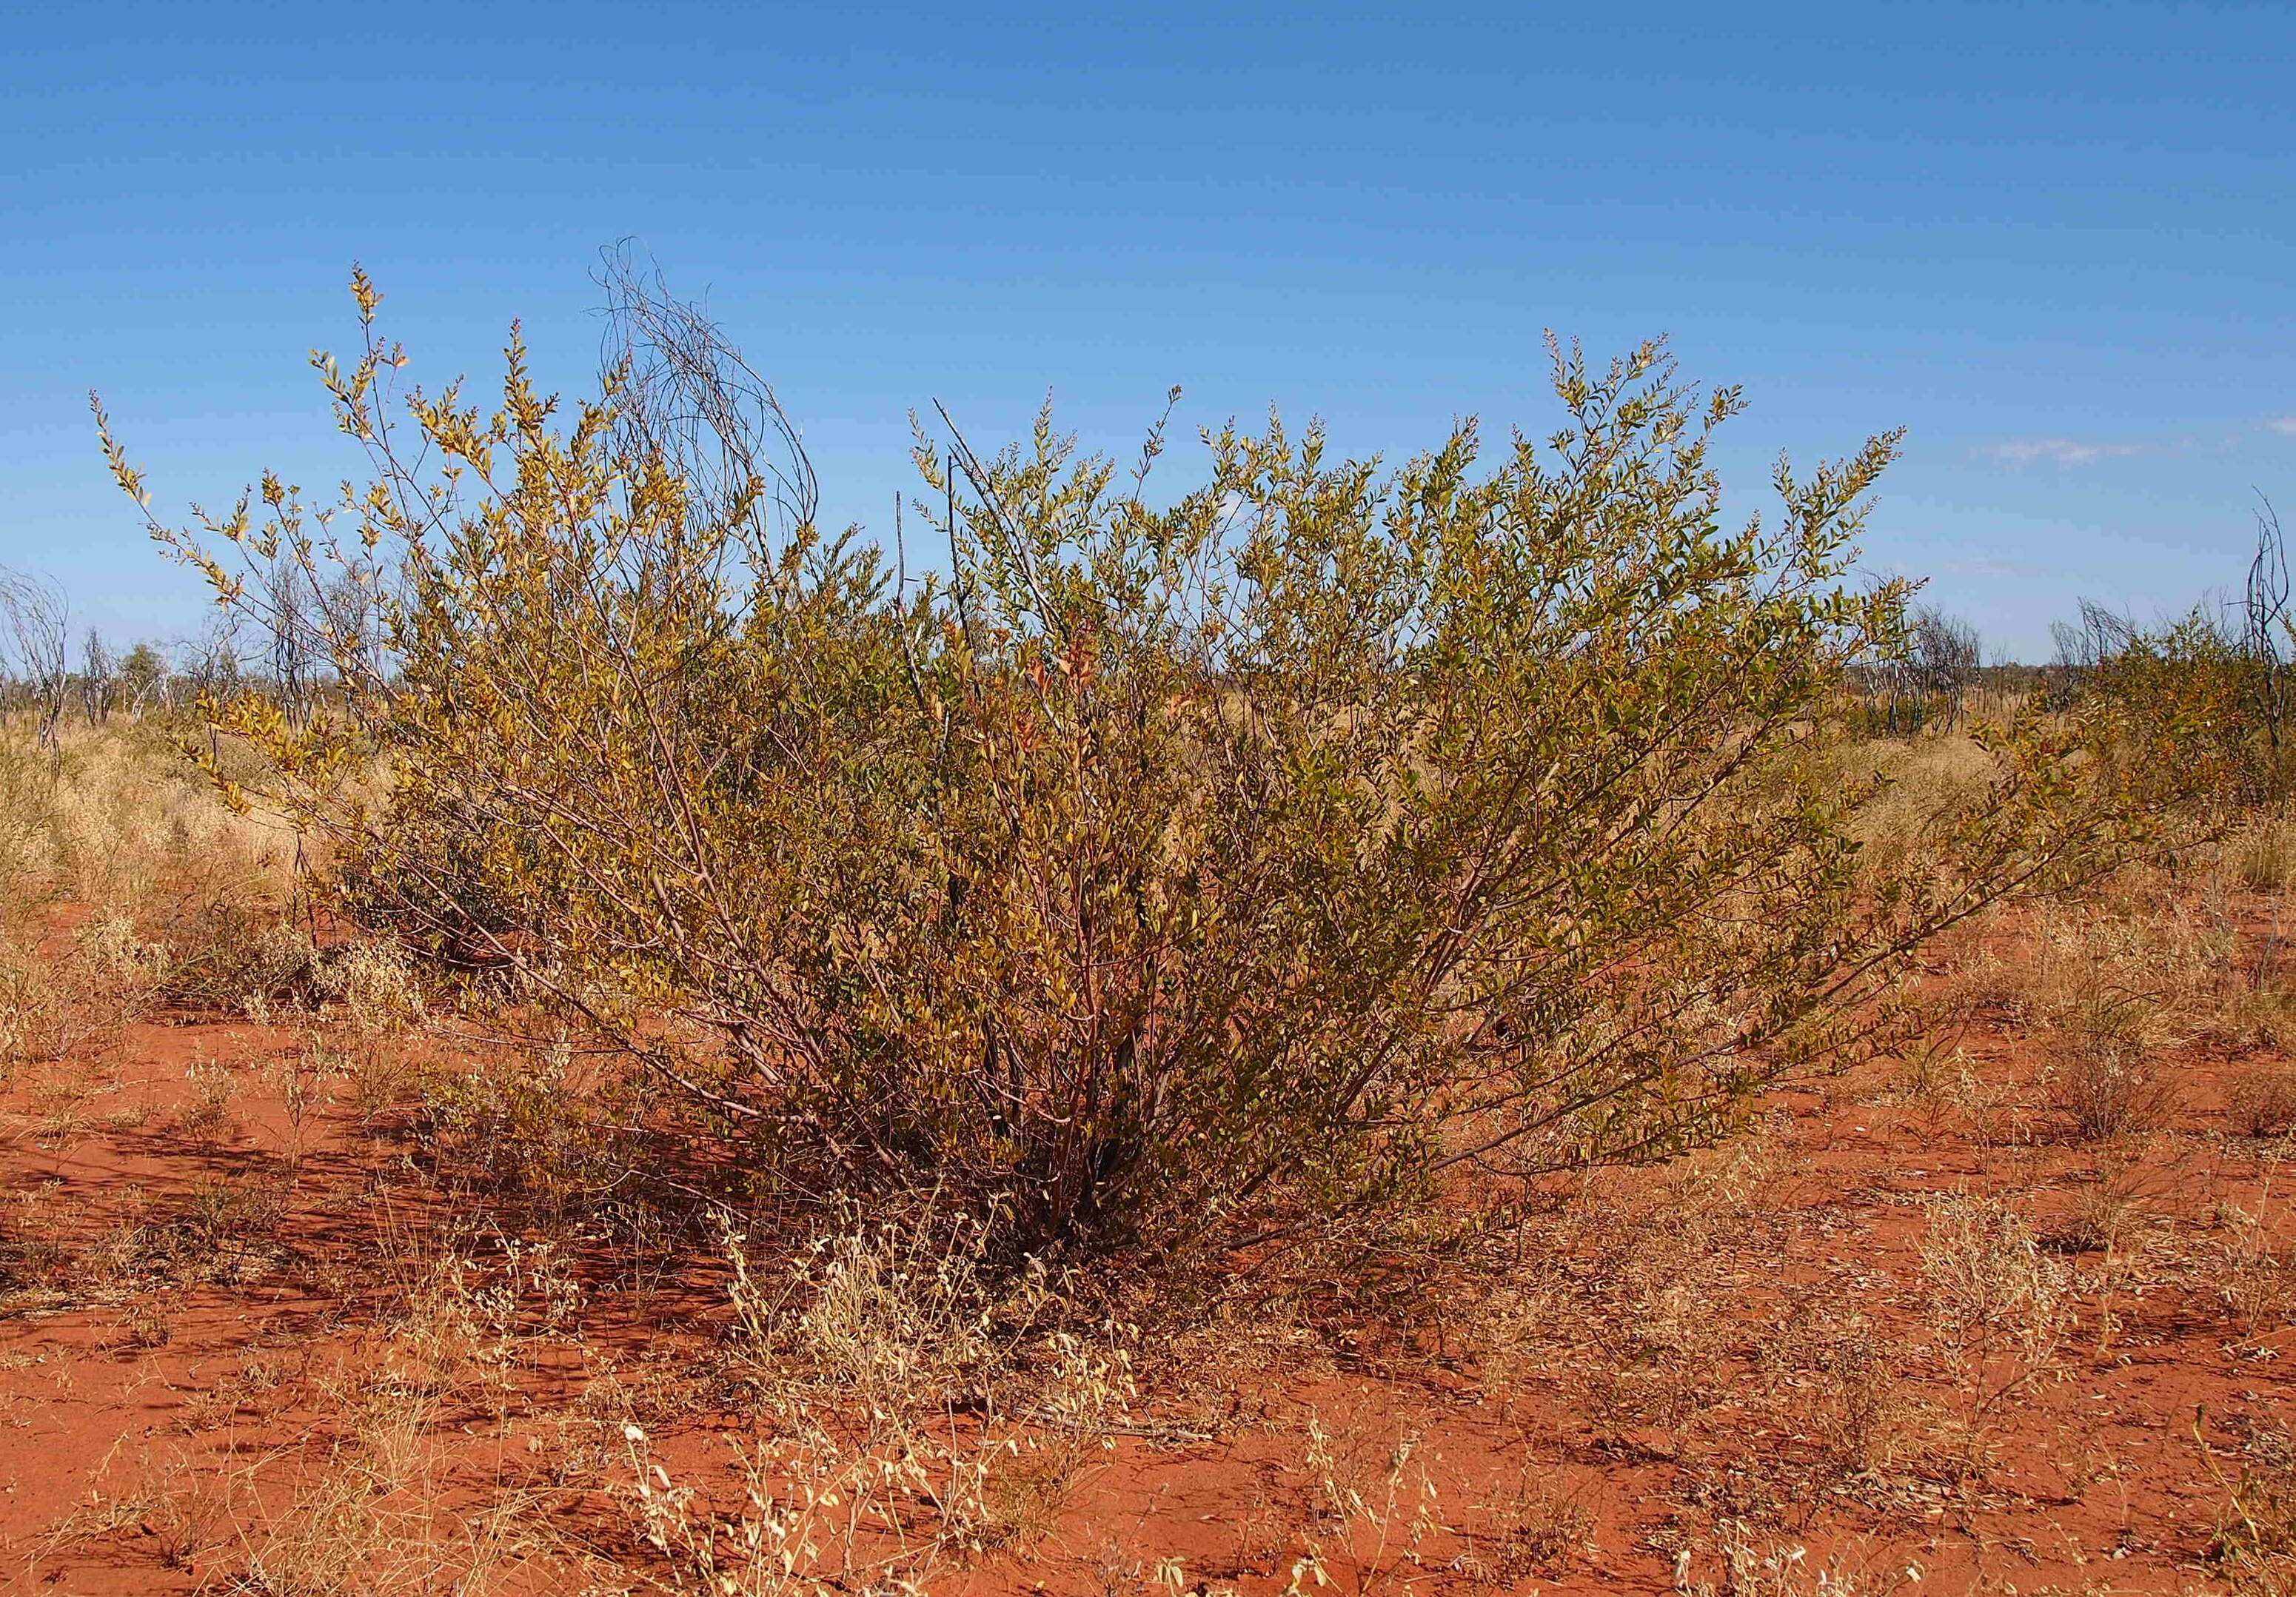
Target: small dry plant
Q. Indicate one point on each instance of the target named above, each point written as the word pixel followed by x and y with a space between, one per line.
pixel 1748 1570
pixel 1929 1067
pixel 1375 1509
pixel 178 1513
pixel 2000 1306
pixel 2263 857
pixel 2109 1084
pixel 2145 957
pixel 206 1118
pixel 2256 1274
pixel 1637 1287
pixel 375 1521
pixel 382 1008
pixel 2260 1101
pixel 248 963
pixel 468 1308
pixel 376 1515
pixel 2254 1547
pixel 68 1002
pixel 1528 1531
pixel 2105 1208
pixel 299 1079
pixel 916 1411
pixel 1862 1419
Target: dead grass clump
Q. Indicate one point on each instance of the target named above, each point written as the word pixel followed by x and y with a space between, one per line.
pixel 2260 1101
pixel 231 956
pixel 1927 777
pixel 176 1514
pixel 2255 1271
pixel 125 885
pixel 2001 1309
pixel 2254 1547
pixel 298 1078
pixel 2262 857
pixel 1530 1532
pixel 1862 1418
pixel 2170 946
pixel 891 1311
pixel 546 1137
pixel 1621 1295
pixel 375 985
pixel 143 1324
pixel 69 998
pixel 37 1022
pixel 221 1214
pixel 376 1518
pixel 221 1230
pixel 2106 1208
pixel 366 1034
pixel 1375 1503
pixel 1748 1569
pixel 116 820
pixel 1929 1062
pixel 34 1256
pixel 370 988
pixel 1990 1111
pixel 128 822
pixel 916 1410
pixel 385 1504
pixel 466 1309
pixel 206 1118
pixel 2110 1083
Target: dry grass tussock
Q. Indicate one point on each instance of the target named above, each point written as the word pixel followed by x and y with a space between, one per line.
pixel 2151 965
pixel 2261 855
pixel 2153 955
pixel 1632 1303
pixel 2001 1307
pixel 1927 776
pixel 114 816
pixel 124 882
pixel 2254 1547
pixel 913 1412
pixel 373 1496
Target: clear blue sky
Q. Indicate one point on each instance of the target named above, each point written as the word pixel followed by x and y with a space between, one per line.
pixel 2052 240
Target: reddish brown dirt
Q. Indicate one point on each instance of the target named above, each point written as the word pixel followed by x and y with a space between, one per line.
pixel 187 1318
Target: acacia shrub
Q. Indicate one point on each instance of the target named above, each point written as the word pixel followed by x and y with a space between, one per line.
pixel 1154 873
pixel 2191 691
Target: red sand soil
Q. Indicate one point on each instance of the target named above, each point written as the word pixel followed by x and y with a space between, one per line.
pixel 186 1322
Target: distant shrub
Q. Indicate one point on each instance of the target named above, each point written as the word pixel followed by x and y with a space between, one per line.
pixel 2188 689
pixel 1151 873
pixel 2211 693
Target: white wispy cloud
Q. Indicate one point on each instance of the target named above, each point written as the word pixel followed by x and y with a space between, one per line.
pixel 2285 426
pixel 1984 568
pixel 2063 452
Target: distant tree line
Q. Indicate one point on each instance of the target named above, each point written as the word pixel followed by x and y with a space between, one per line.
pixel 2228 665
pixel 53 671
pixel 1924 681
